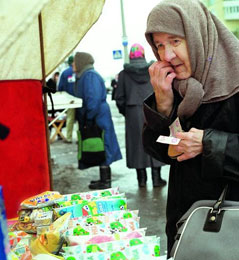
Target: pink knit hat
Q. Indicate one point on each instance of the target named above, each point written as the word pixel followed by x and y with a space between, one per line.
pixel 136 51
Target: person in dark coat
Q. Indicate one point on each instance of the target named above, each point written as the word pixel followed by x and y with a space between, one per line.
pixel 91 88
pixel 196 80
pixel 114 84
pixel 133 87
pixel 52 82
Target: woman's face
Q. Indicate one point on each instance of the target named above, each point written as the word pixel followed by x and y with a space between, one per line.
pixel 174 50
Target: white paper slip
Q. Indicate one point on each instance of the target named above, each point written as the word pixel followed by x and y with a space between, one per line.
pixel 168 140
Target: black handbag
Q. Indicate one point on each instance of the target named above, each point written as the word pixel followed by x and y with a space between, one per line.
pixel 208 230
pixel 91 150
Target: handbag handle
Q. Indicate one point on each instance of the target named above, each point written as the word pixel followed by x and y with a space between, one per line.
pixel 218 204
pixel 90 120
pixel 215 215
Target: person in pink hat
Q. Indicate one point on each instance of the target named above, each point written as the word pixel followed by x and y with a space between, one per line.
pixel 133 87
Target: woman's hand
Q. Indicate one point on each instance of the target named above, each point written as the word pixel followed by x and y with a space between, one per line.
pixel 190 144
pixel 161 78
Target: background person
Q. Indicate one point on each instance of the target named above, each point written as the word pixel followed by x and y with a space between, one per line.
pixel 66 83
pixel 114 83
pixel 133 87
pixel 53 81
pixel 196 79
pixel 91 88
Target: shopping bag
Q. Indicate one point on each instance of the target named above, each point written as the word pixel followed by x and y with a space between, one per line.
pixel 91 150
pixel 208 230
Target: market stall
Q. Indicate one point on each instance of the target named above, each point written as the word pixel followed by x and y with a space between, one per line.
pixel 36 36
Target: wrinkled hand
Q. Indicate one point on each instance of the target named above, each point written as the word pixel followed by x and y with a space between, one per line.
pixel 161 78
pixel 190 144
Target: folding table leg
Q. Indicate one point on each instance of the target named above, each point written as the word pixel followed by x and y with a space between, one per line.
pixel 58 130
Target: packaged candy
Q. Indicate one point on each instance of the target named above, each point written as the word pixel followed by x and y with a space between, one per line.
pixel 26 227
pixel 29 215
pixel 44 218
pixel 122 214
pixel 107 227
pixel 61 224
pixel 44 199
pixel 67 203
pixel 110 246
pixel 97 239
pixel 51 241
pixel 42 229
pixel 119 196
pixel 22 252
pixel 25 215
pixel 91 194
pixel 47 257
pixel 17 236
pixel 139 252
pixel 107 217
pixel 92 208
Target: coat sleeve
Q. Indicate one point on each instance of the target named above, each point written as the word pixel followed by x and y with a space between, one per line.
pixel 92 94
pixel 120 95
pixel 62 82
pixel 155 124
pixel 220 156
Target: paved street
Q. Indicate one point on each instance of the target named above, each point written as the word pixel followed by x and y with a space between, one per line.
pixel 67 178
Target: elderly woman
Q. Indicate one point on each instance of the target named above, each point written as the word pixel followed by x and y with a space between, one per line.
pixel 91 88
pixel 195 80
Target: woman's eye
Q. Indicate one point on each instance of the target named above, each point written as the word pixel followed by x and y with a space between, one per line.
pixel 159 46
pixel 176 42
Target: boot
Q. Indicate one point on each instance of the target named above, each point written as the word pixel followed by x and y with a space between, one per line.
pixel 94 181
pixel 97 181
pixel 141 177
pixel 105 179
pixel 156 177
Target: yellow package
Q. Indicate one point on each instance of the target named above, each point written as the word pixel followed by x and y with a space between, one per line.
pixel 50 244
pixel 51 241
pixel 44 199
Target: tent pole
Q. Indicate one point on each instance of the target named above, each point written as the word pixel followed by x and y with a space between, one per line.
pixel 45 97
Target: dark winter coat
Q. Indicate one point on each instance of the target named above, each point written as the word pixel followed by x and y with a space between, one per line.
pixel 133 87
pixel 91 88
pixel 204 176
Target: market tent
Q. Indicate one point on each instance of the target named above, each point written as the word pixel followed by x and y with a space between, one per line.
pixel 31 47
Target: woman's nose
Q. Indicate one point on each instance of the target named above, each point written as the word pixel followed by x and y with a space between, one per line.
pixel 169 53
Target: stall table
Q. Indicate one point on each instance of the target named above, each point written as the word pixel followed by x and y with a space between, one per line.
pixel 62 101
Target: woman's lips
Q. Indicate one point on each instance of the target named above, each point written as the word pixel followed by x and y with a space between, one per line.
pixel 179 66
